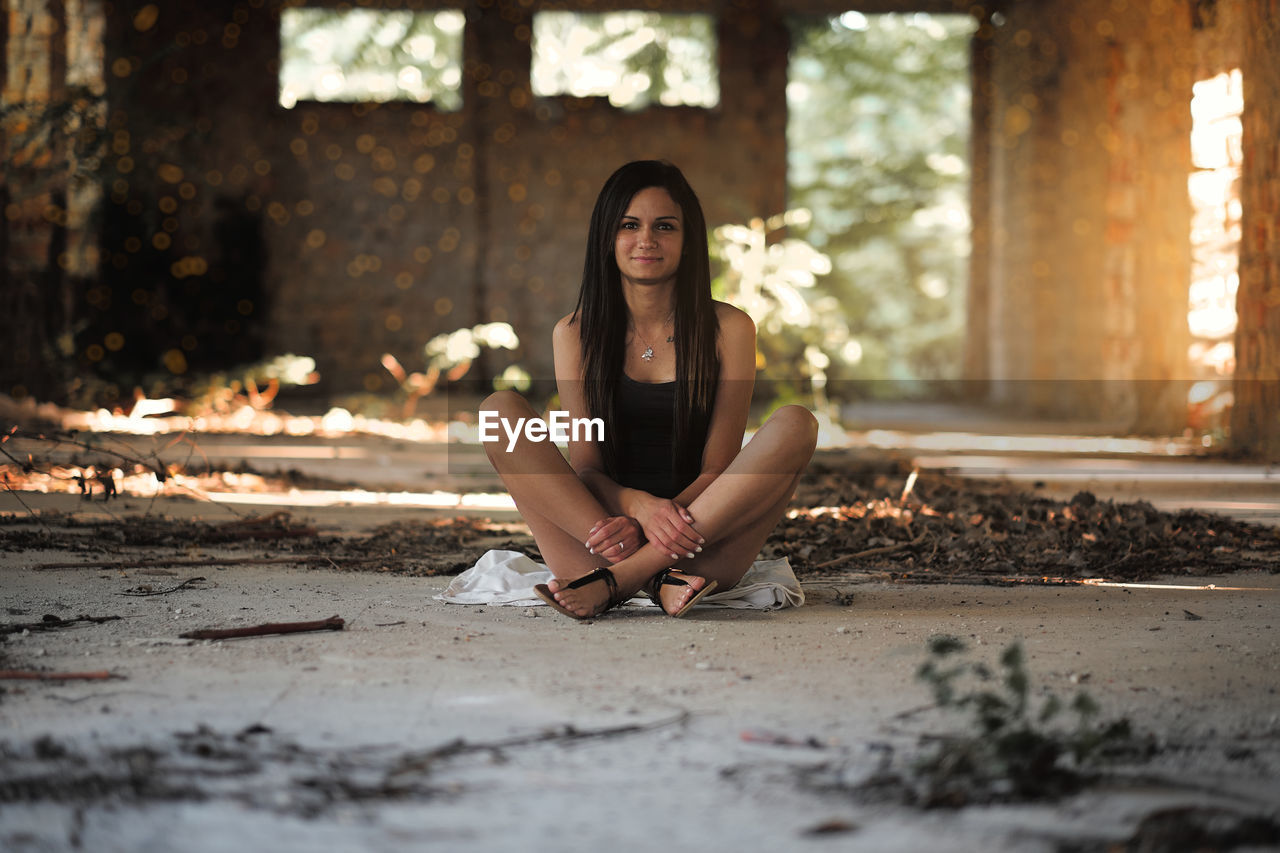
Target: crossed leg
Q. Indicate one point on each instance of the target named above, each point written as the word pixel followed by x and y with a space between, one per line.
pixel 735 514
pixel 558 507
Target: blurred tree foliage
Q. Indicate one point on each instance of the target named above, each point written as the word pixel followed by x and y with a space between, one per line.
pixel 773 279
pixel 634 58
pixel 878 153
pixel 369 55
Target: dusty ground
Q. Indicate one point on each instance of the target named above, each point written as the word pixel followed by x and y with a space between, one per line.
pixel 425 725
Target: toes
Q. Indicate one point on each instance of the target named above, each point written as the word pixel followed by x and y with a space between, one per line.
pixel 676 598
pixel 682 596
pixel 576 604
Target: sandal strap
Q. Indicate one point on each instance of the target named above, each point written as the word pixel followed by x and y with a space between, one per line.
pixel 661 579
pixel 599 574
pixel 665 579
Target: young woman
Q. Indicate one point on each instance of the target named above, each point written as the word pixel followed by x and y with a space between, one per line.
pixel 670 502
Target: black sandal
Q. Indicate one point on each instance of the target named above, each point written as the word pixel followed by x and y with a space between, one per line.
pixel 663 578
pixel 544 592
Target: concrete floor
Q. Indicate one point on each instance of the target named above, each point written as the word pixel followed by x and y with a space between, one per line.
pixel 724 731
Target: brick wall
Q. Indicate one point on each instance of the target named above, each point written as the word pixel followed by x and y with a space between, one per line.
pixel 1088 217
pixel 382 226
pixel 235 228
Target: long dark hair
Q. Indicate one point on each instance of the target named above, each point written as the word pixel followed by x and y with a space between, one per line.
pixel 602 313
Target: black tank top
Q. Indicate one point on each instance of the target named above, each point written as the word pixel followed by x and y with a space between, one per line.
pixel 645 445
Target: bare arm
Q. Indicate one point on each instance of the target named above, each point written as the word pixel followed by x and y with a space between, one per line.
pixel 737 353
pixel 668 523
pixel 585 456
pixel 617 535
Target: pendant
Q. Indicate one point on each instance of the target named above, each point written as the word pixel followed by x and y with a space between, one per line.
pixel 647 355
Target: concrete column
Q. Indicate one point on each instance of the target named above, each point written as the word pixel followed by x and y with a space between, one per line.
pixel 1090 264
pixel 977 355
pixel 1255 420
pixel 32 312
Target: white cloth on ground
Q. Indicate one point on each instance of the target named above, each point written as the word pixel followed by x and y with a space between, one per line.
pixel 508 578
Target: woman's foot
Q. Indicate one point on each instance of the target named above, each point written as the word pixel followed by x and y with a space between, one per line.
pixel 584 597
pixel 677 591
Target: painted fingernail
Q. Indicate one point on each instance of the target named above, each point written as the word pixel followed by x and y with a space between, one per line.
pixel 698 549
pixel 675 556
pixel 702 542
pixel 691 554
pixel 590 550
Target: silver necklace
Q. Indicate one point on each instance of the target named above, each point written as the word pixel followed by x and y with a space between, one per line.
pixel 647 355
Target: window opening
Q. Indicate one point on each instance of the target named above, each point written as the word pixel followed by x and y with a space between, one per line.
pixel 635 59
pixel 878 140
pixel 365 55
pixel 1216 155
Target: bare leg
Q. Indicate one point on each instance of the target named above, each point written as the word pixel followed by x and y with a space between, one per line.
pixel 745 503
pixel 558 507
pixel 560 511
pixel 735 514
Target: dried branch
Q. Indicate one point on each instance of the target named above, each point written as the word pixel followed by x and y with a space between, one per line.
pixel 333 623
pixel 873 552
pixel 51 622
pixel 153 562
pixel 187 584
pixel 156 466
pixel 18 496
pixel 422 762
pixel 16 674
pixel 262 527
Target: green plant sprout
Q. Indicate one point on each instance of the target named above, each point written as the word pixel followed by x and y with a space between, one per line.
pixel 1013 750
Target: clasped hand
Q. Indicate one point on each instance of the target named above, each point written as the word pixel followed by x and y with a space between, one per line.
pixel 665 523
pixel 615 538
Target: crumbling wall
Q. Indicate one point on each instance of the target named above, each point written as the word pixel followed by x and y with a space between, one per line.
pixel 51 79
pixel 383 225
pixel 1089 214
pixel 1255 420
pixel 234 228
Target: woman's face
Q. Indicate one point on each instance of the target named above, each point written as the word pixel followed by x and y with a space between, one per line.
pixel 650 238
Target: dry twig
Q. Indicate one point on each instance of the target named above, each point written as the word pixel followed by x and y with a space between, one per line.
pixel 50 622
pixel 25 674
pixel 333 623
pixel 422 762
pixel 187 584
pixel 874 552
pixel 211 561
pixel 264 527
